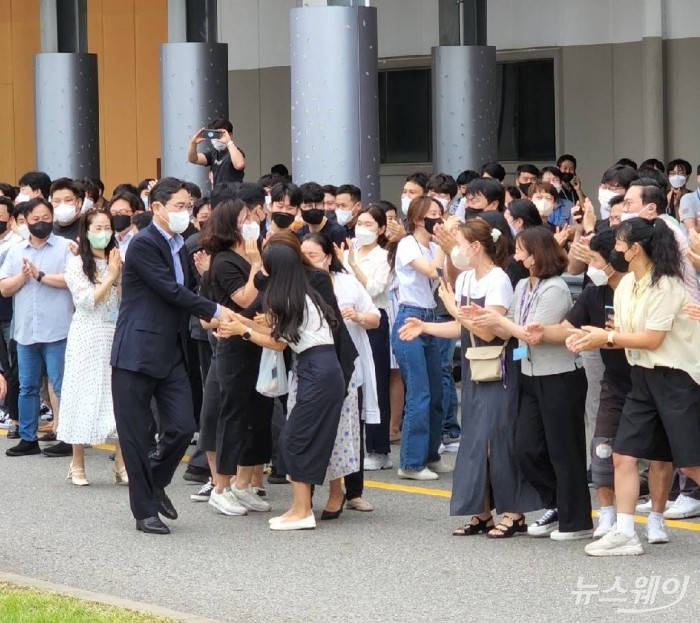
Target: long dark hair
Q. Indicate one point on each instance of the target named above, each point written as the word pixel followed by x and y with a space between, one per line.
pixel 550 259
pixel 659 243
pixel 85 250
pixel 221 232
pixel 327 247
pixel 284 300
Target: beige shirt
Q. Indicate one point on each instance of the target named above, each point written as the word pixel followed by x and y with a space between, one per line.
pixel 641 306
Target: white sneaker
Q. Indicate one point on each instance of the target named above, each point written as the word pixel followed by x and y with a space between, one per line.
pixel 615 543
pixel 375 462
pixel 247 498
pixel 417 474
pixel 577 535
pixel 440 467
pixel 645 508
pixel 226 503
pixel 605 523
pixel 683 508
pixel 656 532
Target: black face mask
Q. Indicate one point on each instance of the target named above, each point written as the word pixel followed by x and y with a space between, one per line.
pixel 524 188
pixel 618 261
pixel 567 177
pixel 3 227
pixel 430 224
pixel 331 215
pixel 121 222
pixel 314 216
pixel 41 230
pixel 282 219
pixel 260 281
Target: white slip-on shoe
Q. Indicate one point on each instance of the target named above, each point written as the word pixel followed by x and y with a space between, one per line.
pixel 576 535
pixel 308 523
pixel 417 474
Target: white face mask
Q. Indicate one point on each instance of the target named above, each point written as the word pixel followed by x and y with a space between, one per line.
pixel 405 202
pixel 178 221
pixel 218 145
pixel 21 198
pixel 513 230
pixel 64 213
pixel 544 207
pixel 23 231
pixel 250 231
pixel 268 200
pixel 604 197
pixel 343 216
pixel 677 181
pixel 365 236
pixel 460 259
pixel 443 203
pixel 557 185
pixel 626 216
pixel 88 204
pixel 597 276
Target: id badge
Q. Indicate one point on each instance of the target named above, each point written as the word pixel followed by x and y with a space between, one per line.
pixel 112 316
pixel 519 353
pixel 633 355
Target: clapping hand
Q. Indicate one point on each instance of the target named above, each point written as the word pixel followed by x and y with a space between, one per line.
pixel 445 237
pixel 252 252
pixel 395 231
pixel 350 313
pixel 339 251
pixel 114 264
pixel 29 269
pixel 534 333
pixel 447 296
pixel 483 318
pixel 562 234
pixel 351 252
pixel 202 261
pixel 411 329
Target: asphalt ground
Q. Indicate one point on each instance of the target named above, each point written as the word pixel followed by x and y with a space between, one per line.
pixel 398 563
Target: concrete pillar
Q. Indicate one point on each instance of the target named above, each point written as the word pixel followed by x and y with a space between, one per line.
pixel 465 107
pixel 653 80
pixel 335 115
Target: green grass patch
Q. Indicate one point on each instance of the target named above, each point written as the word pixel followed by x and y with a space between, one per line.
pixel 26 605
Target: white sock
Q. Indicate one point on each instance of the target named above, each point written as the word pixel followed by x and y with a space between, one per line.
pixel 625 524
pixel 657 518
pixel 607 510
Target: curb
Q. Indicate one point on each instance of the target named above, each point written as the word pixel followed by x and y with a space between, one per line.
pixel 102 598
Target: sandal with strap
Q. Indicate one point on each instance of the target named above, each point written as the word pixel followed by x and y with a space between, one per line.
pixel 482 526
pixel 505 531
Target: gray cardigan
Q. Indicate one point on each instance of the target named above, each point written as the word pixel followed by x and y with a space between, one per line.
pixel 549 305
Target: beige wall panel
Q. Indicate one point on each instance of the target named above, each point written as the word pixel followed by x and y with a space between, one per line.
pixel 275 118
pixel 244 114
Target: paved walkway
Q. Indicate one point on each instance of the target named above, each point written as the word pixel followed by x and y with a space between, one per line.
pixel 399 563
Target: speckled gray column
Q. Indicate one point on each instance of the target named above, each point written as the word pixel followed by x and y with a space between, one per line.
pixel 335 118
pixel 465 108
pixel 193 91
pixel 66 115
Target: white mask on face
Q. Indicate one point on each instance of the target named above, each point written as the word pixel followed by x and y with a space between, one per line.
pixel 597 276
pixel 250 231
pixel 64 213
pixel 218 145
pixel 268 200
pixel 21 198
pixel 343 216
pixel 544 207
pixel 405 202
pixel 677 181
pixel 513 230
pixel 178 221
pixel 604 197
pixel 365 236
pixel 557 185
pixel 88 204
pixel 626 216
pixel 23 231
pixel 443 203
pixel 460 259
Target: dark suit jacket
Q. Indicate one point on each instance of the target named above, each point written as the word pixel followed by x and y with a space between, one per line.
pixel 155 309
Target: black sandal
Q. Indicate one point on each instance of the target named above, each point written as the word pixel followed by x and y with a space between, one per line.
pixel 503 531
pixel 482 526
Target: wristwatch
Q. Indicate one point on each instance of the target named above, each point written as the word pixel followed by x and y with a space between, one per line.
pixel 40 276
pixel 247 334
pixel 611 340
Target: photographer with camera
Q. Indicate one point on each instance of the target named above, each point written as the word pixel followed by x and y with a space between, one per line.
pixel 225 159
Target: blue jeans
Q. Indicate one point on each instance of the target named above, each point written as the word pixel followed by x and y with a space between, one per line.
pixel 450 404
pixel 419 362
pixel 33 361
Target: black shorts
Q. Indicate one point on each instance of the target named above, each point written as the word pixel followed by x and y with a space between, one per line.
pixel 661 417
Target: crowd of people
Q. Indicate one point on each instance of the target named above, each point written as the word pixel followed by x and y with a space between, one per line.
pixel 301 330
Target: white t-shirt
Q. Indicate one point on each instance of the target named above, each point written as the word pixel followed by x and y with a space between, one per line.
pixel 494 287
pixel 314 331
pixel 374 266
pixel 415 289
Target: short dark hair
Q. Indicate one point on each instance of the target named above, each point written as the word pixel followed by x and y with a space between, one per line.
pixel 251 194
pixel 556 171
pixel 329 189
pixel 525 210
pixel 8 203
pixel 527 168
pixel 564 157
pixel 287 189
pixel 326 244
pixel 143 184
pixel 348 189
pixel 627 162
pixel 199 204
pixel 141 220
pixel 281 170
pixel 126 187
pixel 653 174
pixel 222 231
pixel 222 192
pixel 652 192
pixel 269 180
pixel 222 124
pixel 621 175
pixel 684 164
pixel 37 180
pixel 384 206
pixel 490 188
pixel 550 258
pixel 165 188
pixel 467 176
pixel 193 190
pixel 615 200
pixel 37 201
pixel 653 163
pixel 494 170
pixel 442 183
pixel 311 192
pixel 8 190
pixel 92 188
pixel 418 177
pixel 133 200
pixel 603 243
pixel 66 183
pixel 513 191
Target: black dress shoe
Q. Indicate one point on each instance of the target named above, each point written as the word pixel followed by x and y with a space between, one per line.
pixel 152 525
pixel 165 506
pixel 24 448
pixel 60 449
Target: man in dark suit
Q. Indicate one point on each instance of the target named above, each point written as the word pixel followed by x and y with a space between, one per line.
pixel 148 354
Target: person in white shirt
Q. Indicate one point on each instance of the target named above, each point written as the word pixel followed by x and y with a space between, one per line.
pixel 416 260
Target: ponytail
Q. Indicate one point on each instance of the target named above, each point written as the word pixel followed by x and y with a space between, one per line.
pixel 664 252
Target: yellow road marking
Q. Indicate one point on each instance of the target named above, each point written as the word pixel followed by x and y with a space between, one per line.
pixel 441 493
